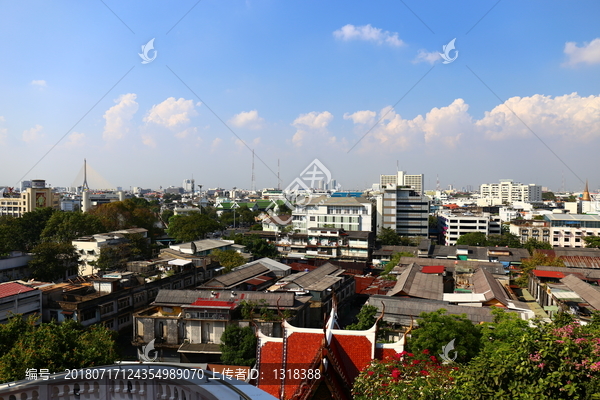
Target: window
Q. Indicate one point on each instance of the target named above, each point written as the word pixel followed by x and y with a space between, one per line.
pixel 124 319
pixel 124 302
pixel 88 314
pixel 555 239
pixel 312 219
pixel 106 308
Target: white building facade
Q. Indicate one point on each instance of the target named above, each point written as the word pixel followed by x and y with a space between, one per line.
pixel 402 179
pixel 347 213
pixel 454 225
pixel 508 191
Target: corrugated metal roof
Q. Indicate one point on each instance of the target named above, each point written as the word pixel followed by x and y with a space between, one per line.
pixel 316 275
pixel 236 277
pixel 414 283
pixel 396 307
pixel 584 290
pixel 169 297
pixel 484 282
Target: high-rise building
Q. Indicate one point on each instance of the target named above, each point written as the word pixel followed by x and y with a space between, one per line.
pixel 402 179
pixel 403 209
pixel 508 191
pixel 38 195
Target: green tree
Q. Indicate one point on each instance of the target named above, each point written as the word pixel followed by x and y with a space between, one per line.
pixel 504 240
pixel 66 226
pixel 8 240
pixel 548 196
pixel 238 346
pixel 388 237
pixel 166 215
pixel 53 346
pixel 592 241
pixel 28 228
pixel 472 239
pixel 53 261
pixel 394 260
pixel 130 213
pixel 436 330
pixel 546 361
pixel 257 246
pixel 366 318
pixel 538 259
pixel 532 244
pixel 195 226
pixel 228 258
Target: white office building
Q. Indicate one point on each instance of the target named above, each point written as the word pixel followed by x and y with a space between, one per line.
pixel 347 213
pixel 508 191
pixel 403 209
pixel 402 179
pixel 453 225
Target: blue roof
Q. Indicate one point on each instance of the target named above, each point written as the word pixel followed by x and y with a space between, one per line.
pixel 346 194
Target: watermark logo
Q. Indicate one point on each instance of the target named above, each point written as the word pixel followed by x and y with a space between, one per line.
pixel 145 49
pixel 447 349
pixel 145 356
pixel 300 191
pixel 446 54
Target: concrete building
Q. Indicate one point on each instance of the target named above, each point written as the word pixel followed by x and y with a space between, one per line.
pixel 455 224
pixel 17 298
pixel 188 324
pixel 348 213
pixel 14 266
pixel 38 195
pixel 508 191
pixel 402 179
pixel 568 230
pixel 404 210
pixel 536 229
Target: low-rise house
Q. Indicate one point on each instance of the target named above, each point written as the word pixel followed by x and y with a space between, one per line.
pixel 186 325
pixel 111 299
pixel 414 283
pixel 90 247
pixel 321 283
pixel 19 298
pixel 13 266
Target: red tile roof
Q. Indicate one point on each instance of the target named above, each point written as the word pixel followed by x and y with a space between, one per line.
pixel 433 269
pixel 354 352
pixel 548 274
pixel 12 288
pixel 271 354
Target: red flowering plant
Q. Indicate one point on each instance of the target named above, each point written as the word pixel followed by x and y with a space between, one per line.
pixel 405 376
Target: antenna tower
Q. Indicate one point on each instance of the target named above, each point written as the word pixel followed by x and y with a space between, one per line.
pixel 278 178
pixel 253 178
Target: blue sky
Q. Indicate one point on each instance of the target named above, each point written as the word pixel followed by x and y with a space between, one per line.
pixel 299 80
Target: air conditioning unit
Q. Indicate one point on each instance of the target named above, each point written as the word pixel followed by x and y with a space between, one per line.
pixel 188 315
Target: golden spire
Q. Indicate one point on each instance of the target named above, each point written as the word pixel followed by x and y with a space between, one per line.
pixel 586 193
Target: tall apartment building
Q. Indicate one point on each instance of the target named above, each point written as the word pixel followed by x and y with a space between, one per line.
pixel 509 191
pixel 38 195
pixel 453 225
pixel 568 230
pixel 348 213
pixel 403 209
pixel 402 179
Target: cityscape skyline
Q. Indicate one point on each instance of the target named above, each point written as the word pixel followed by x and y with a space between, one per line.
pixel 361 88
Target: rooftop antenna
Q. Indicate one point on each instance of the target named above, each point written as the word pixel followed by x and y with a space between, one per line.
pixel 253 178
pixel 437 186
pixel 193 188
pixel 278 178
pixel 85 186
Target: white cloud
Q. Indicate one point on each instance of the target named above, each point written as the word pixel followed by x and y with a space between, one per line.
pixel 75 140
pixel 215 144
pixel 118 117
pixel 589 53
pixel 41 83
pixel 33 134
pixel 307 124
pixel 247 119
pixel 171 113
pixel 186 132
pixel 428 57
pixel 569 117
pixel 148 141
pixel 368 33
pixel 361 117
